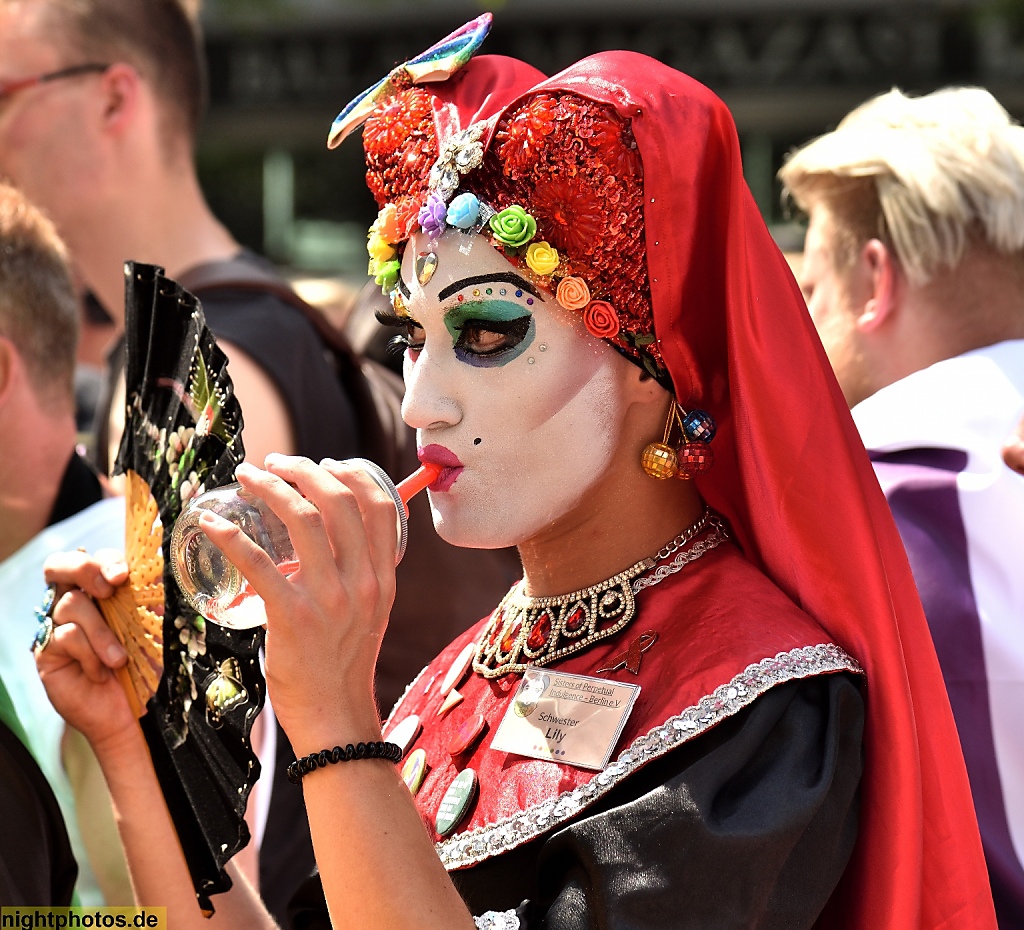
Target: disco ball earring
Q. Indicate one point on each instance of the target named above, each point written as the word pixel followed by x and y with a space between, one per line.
pixel 693 455
pixel 659 459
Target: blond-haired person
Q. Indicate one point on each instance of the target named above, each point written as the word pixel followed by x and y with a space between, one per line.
pixel 914 276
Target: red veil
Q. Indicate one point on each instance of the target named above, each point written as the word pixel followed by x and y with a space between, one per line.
pixel 790 472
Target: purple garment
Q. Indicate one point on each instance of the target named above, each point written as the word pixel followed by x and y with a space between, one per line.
pixel 935 438
pixel 921 487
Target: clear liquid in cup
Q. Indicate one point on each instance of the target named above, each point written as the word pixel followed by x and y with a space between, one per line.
pixel 209 582
pixel 245 609
pixel 214 587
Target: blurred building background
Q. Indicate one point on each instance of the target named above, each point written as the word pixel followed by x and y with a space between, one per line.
pixel 788 69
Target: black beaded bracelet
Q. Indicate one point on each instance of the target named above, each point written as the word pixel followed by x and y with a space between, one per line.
pixel 319 760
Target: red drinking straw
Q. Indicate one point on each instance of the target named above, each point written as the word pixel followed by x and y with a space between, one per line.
pixel 425 475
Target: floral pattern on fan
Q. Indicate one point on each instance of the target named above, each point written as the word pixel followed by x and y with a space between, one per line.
pixel 182 436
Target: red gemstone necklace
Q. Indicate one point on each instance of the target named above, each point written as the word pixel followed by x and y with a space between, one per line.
pixel 529 631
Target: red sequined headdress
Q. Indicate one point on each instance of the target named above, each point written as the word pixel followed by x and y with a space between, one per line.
pixel 555 181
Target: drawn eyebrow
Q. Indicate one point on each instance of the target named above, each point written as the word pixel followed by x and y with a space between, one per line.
pixel 403 288
pixel 507 278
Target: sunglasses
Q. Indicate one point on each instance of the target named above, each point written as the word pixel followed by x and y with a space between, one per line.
pixel 10 88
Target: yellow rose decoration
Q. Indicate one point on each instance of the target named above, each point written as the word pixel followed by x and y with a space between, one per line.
pixel 541 258
pixel 379 248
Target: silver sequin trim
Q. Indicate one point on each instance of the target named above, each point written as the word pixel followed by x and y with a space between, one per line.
pixel 473 846
pixel 497 920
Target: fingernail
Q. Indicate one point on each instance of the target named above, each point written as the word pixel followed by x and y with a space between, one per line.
pixel 329 463
pixel 115 653
pixel 246 469
pixel 1013 455
pixel 274 458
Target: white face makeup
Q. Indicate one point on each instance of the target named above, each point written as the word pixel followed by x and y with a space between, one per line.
pixel 508 390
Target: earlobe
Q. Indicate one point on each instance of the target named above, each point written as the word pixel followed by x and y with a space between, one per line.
pixel 879 267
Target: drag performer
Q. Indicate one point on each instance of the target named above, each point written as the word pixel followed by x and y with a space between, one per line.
pixel 712 700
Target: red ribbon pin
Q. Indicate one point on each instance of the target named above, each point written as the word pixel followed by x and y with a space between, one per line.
pixel 630 659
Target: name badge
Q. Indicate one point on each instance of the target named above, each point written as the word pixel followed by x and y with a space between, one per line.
pixel 565 718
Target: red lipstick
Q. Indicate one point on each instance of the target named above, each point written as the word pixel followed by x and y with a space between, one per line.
pixel 451 467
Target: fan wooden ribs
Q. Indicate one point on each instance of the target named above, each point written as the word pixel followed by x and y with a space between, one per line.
pixel 135 611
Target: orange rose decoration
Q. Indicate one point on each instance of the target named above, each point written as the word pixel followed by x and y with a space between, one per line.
pixel 601 319
pixel 573 293
pixel 395 221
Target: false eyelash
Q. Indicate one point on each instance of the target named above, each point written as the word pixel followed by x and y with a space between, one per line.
pixel 397 344
pixel 388 317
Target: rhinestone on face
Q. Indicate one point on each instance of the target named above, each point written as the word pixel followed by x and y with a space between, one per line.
pixel 426 265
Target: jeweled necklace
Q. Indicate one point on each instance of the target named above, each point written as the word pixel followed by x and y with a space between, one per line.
pixel 529 631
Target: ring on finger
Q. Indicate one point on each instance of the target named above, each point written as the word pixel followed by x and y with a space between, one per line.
pixel 45 614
